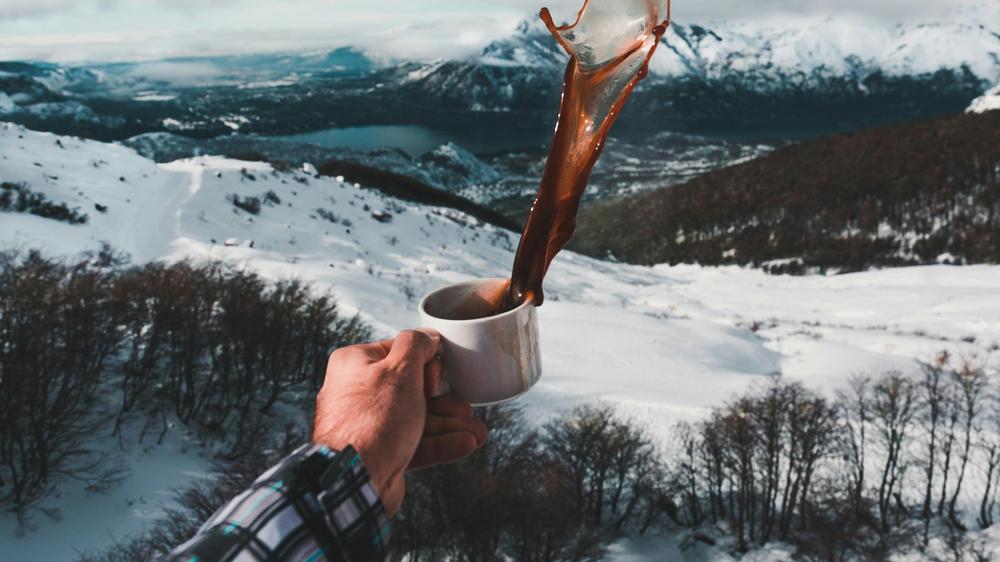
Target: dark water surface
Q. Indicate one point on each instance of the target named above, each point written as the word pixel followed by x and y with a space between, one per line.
pixel 417 139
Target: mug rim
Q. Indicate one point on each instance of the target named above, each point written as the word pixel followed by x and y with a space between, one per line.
pixel 422 307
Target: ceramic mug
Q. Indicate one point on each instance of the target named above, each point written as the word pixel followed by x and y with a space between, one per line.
pixel 486 359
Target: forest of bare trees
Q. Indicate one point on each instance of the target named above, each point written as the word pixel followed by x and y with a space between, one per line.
pixel 908 194
pixel 90 346
pixel 870 471
pixel 93 349
pixel 887 465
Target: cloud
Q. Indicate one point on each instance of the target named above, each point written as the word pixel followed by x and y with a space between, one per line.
pixel 25 9
pixel 445 38
pixel 886 10
pixel 89 30
pixel 689 10
pixel 891 11
pixel 18 9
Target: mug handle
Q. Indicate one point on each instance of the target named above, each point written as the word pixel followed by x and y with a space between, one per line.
pixel 443 387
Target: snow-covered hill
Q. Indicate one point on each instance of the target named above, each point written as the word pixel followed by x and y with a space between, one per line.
pixel 662 343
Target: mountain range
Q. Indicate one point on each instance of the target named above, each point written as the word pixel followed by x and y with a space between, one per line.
pixel 774 72
pixel 798 76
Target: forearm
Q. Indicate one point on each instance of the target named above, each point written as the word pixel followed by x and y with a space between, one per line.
pixel 316 504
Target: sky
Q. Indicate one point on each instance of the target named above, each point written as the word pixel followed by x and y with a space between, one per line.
pixel 110 30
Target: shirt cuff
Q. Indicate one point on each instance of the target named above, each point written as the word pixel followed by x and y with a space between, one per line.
pixel 315 504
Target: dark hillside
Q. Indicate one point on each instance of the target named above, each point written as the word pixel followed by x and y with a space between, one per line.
pixel 409 189
pixel 899 195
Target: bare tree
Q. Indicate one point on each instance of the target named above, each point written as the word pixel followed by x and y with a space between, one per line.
pixel 688 472
pixel 610 462
pixel 989 443
pixel 970 381
pixel 951 412
pixel 770 417
pixel 855 410
pixel 933 400
pixel 138 293
pixel 57 333
pixel 714 461
pixel 812 426
pixel 893 407
pixel 740 445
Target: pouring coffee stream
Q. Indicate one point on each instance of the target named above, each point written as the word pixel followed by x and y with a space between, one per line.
pixel 610 45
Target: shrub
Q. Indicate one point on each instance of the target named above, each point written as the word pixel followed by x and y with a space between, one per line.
pixel 57 341
pixel 85 342
pixel 18 198
pixel 220 346
pixel 328 216
pixel 272 198
pixel 249 204
pixel 522 497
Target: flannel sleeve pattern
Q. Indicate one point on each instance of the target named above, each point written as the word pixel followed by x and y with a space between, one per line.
pixel 315 505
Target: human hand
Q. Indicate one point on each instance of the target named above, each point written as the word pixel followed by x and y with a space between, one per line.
pixel 375 398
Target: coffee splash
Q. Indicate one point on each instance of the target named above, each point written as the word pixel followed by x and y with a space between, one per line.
pixel 610 45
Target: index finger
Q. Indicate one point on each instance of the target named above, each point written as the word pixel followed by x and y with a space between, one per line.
pixel 414 348
pixel 371 352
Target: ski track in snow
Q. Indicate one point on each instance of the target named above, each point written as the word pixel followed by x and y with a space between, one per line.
pixel 661 343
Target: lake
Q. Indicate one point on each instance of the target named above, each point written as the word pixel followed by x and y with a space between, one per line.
pixel 416 139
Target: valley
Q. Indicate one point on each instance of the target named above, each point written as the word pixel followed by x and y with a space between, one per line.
pixel 663 343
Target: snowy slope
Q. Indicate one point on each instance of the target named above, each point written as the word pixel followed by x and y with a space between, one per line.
pixel 531 45
pixel 663 343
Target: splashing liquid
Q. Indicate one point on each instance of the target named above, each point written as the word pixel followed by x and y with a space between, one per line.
pixel 610 46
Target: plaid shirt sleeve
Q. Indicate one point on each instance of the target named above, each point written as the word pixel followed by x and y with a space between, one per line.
pixel 316 504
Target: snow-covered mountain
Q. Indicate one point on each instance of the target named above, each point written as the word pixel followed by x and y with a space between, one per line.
pixel 513 73
pixel 663 343
pixel 836 57
pixel 811 47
